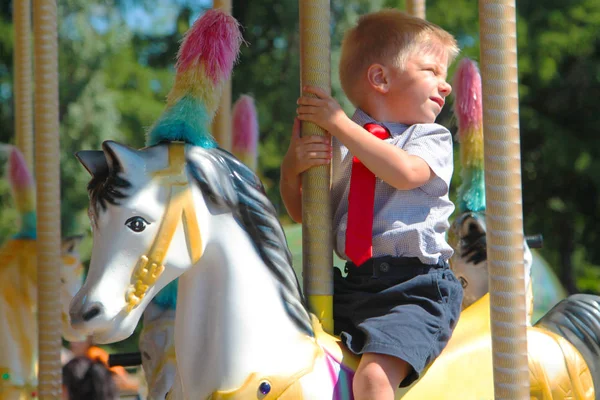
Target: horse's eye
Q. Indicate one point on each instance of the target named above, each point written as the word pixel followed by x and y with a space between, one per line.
pixel 463 282
pixel 136 224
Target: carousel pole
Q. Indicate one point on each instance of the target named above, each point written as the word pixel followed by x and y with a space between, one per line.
pixel 416 8
pixel 22 70
pixel 504 211
pixel 221 127
pixel 317 252
pixel 47 173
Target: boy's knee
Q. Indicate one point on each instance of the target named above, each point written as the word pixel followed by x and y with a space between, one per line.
pixel 378 376
pixel 369 380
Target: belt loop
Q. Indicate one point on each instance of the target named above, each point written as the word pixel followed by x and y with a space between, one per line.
pixel 375 273
pixel 375 268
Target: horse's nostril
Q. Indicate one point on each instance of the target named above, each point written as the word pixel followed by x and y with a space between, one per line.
pixel 93 311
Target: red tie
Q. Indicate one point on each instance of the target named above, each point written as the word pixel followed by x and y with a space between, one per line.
pixel 361 200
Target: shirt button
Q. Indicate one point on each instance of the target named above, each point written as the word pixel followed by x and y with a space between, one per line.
pixel 384 267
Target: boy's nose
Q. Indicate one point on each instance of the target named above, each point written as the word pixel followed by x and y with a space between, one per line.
pixel 445 88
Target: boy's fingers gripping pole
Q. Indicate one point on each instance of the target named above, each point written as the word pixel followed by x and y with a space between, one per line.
pixel 317 253
pixel 504 212
pixel 47 173
pixel 221 126
pixel 416 8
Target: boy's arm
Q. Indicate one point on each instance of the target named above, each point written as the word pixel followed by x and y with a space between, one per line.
pixel 290 187
pixel 389 163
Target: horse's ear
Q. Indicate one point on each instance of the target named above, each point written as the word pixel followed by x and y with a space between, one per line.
pixel 121 158
pixel 94 161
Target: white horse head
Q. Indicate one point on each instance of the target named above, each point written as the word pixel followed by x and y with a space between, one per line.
pixel 129 193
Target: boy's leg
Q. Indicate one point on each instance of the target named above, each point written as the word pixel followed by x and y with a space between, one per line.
pixel 378 376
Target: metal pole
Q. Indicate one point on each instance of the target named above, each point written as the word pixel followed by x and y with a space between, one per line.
pixel 317 253
pixel 222 123
pixel 48 197
pixel 23 70
pixel 416 8
pixel 504 211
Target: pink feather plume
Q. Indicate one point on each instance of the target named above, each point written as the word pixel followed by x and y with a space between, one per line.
pixel 467 86
pixel 19 175
pixel 214 41
pixel 244 125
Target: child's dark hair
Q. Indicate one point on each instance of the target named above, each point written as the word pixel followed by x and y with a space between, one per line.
pixel 87 379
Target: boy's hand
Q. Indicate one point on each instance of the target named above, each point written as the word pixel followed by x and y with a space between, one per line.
pixel 322 110
pixel 306 152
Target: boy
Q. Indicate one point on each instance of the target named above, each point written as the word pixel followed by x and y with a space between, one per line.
pixel 399 302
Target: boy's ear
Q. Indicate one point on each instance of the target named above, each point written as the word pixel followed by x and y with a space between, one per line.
pixel 377 75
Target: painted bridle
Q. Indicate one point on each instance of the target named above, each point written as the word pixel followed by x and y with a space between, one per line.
pixel 179 206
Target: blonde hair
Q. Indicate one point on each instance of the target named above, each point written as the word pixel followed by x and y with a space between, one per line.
pixel 387 36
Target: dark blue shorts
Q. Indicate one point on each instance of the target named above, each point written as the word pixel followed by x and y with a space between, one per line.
pixel 398 307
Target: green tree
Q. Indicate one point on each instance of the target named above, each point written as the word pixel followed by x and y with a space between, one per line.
pixel 559 60
pixel 105 93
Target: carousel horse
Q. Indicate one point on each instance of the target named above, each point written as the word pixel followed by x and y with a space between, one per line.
pixel 18 289
pixel 183 208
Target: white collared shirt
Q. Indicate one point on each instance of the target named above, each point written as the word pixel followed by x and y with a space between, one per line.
pixel 407 223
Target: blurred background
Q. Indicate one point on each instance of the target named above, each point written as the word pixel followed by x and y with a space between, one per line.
pixel 116 64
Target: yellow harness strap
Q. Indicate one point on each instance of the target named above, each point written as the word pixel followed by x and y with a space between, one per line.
pixel 180 206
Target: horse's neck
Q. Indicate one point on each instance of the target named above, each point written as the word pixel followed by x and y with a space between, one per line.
pixel 231 320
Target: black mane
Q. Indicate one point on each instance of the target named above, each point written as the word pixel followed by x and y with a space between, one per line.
pixel 107 187
pixel 229 183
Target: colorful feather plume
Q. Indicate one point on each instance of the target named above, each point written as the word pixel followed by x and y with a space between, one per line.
pixel 469 113
pixel 23 191
pixel 245 131
pixel 204 64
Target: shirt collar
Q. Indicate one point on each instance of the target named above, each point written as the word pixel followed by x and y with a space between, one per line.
pixel 362 118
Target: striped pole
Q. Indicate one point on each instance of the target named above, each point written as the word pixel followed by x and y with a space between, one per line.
pixel 416 8
pixel 48 197
pixel 504 211
pixel 23 71
pixel 221 127
pixel 317 253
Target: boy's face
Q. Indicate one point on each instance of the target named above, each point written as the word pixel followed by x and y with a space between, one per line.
pixel 417 93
